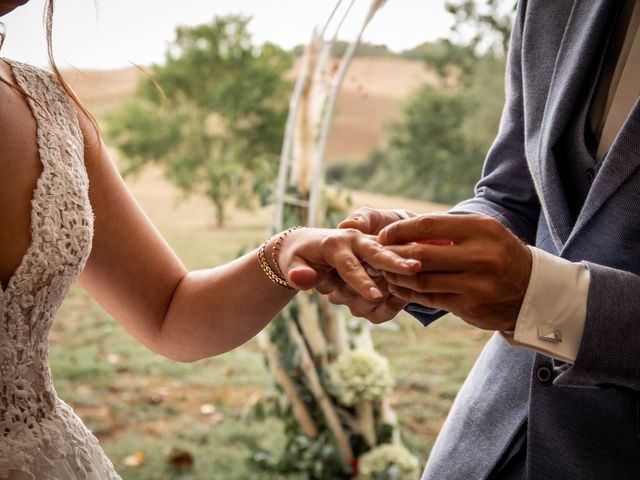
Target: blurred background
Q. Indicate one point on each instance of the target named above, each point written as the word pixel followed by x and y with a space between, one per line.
pixel 417 112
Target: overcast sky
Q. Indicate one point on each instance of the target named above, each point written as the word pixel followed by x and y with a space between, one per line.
pixel 107 34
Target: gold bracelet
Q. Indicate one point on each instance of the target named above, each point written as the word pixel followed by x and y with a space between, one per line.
pixel 267 269
pixel 276 249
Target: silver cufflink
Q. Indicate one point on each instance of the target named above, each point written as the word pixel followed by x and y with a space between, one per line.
pixel 549 334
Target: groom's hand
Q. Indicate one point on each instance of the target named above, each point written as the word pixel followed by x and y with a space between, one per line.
pixel 370 220
pixel 472 266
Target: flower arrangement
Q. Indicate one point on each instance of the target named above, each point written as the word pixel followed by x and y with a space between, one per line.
pixel 388 462
pixel 361 376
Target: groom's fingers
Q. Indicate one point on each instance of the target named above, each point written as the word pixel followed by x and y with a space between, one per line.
pixel 375 312
pixel 438 301
pixel 431 282
pixel 386 310
pixel 361 220
pixel 439 227
pixel 378 258
pixel 369 220
pixel 343 296
pixel 435 258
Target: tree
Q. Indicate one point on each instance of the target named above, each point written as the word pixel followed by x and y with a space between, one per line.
pixel 215 123
pixel 436 149
pixel 488 23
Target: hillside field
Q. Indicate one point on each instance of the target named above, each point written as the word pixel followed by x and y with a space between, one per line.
pixel 373 94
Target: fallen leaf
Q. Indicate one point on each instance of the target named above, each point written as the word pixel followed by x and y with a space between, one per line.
pixel 155 398
pixel 134 460
pixel 113 358
pixel 216 418
pixel 180 459
pixel 207 409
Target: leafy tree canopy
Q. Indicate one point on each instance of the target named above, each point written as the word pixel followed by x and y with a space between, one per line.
pixel 436 149
pixel 215 123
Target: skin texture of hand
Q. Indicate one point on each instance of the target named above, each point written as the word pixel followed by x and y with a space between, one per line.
pixel 369 221
pixel 472 266
pixel 309 255
pixel 340 293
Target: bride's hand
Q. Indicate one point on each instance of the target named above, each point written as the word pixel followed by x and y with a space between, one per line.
pixel 309 254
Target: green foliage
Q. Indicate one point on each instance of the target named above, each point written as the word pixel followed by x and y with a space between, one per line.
pixel 216 124
pixel 429 146
pixel 419 52
pixel 388 462
pixel 362 50
pixel 436 150
pixel 318 458
pixel 488 22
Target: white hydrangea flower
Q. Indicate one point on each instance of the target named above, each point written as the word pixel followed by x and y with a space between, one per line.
pixel 361 375
pixel 395 460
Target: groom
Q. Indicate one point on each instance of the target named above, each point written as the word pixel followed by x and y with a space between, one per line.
pixel 555 393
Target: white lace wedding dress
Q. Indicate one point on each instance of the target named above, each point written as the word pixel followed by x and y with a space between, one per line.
pixel 40 436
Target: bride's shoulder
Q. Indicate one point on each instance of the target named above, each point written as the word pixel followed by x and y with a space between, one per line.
pixel 35 81
pixel 13 65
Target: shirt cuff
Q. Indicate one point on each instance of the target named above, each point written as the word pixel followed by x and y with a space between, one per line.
pixel 554 309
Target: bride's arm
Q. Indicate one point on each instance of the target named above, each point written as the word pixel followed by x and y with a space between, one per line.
pixel 186 316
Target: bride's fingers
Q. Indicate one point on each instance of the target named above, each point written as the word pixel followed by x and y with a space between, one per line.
pixel 344 296
pixel 382 259
pixel 353 273
pixel 301 275
pixel 329 283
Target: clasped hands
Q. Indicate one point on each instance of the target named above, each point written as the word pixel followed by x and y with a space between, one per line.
pixel 469 265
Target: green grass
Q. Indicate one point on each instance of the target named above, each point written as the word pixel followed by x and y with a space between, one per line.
pixel 137 401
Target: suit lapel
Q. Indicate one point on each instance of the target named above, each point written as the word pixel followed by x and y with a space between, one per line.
pixel 585 29
pixel 622 160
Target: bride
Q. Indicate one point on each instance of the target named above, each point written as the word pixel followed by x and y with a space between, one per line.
pixel 66 215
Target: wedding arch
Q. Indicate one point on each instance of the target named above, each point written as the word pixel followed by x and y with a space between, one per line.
pixel 332 386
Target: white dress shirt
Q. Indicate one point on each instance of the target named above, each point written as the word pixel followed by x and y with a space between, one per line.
pixel 553 312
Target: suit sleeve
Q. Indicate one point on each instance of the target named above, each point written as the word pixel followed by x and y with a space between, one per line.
pixel 609 351
pixel 505 191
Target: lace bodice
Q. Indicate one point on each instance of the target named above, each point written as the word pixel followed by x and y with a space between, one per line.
pixel 40 436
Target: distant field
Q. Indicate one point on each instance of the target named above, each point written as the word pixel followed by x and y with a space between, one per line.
pixel 372 95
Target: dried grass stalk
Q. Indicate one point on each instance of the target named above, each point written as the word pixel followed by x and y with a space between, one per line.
pixel 315 385
pixel 388 416
pixel 335 328
pixel 366 422
pixel 310 326
pixel 327 118
pixel 300 411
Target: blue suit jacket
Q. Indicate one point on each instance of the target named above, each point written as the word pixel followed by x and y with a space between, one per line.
pixel 585 423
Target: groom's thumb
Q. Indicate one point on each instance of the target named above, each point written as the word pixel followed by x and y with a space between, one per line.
pixel 301 275
pixel 360 220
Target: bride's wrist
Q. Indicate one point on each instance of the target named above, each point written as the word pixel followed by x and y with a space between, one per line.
pixel 269 258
